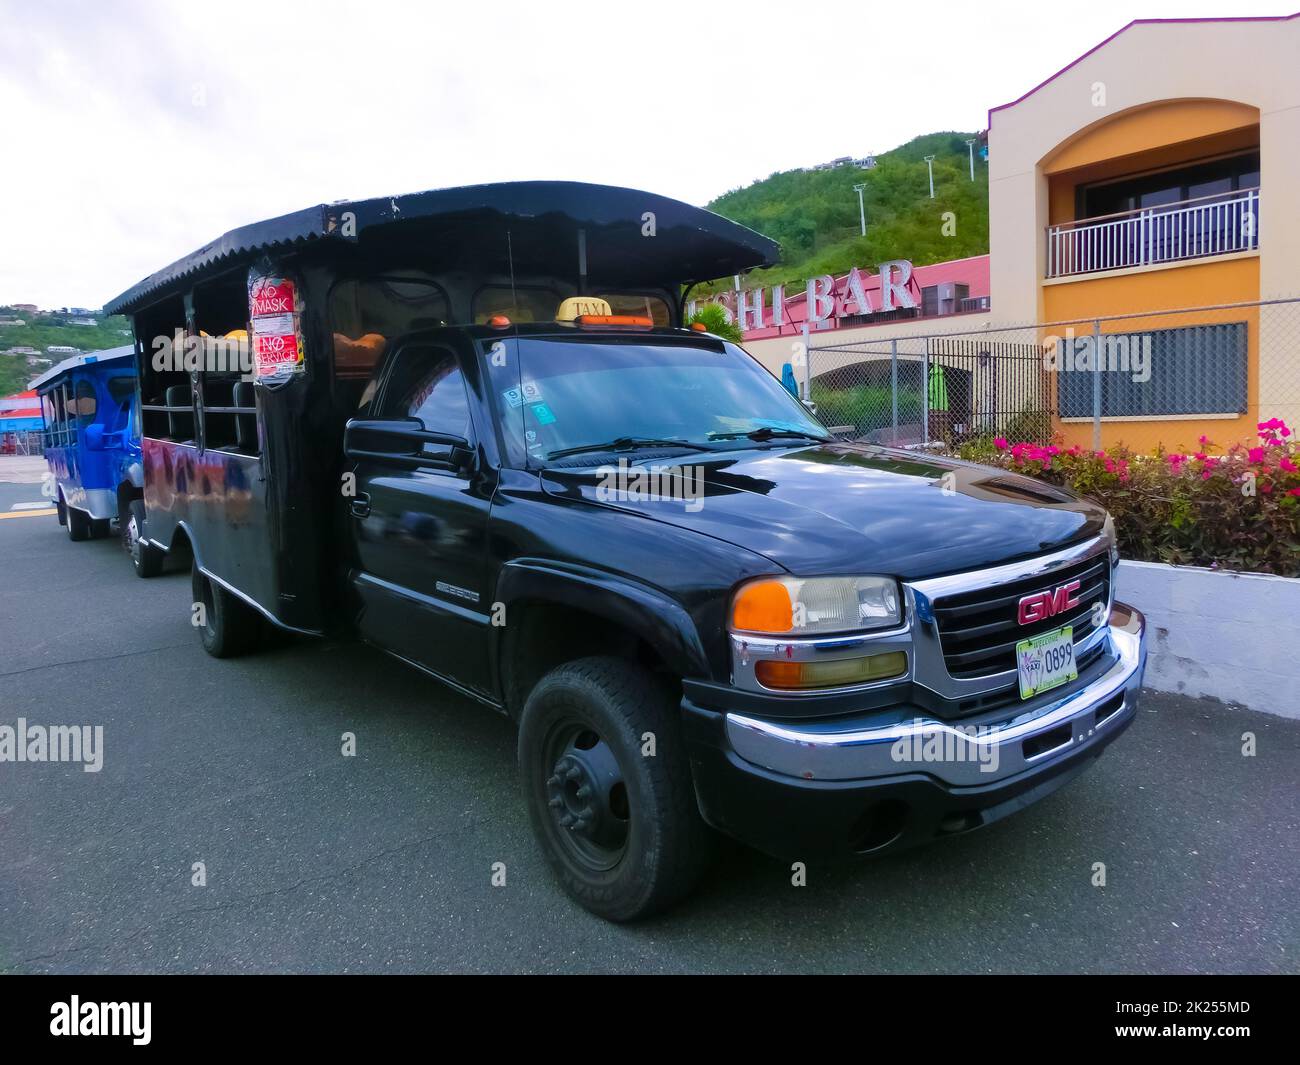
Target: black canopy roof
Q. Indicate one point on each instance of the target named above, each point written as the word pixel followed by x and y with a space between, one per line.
pixel 470 228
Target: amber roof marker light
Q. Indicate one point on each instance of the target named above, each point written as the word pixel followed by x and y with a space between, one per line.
pixel 635 321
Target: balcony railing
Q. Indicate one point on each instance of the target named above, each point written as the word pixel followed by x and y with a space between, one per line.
pixel 1209 225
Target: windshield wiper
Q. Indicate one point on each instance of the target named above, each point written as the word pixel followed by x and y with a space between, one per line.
pixel 626 443
pixel 766 432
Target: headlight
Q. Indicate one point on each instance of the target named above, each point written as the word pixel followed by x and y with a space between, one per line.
pixel 1108 534
pixel 811 606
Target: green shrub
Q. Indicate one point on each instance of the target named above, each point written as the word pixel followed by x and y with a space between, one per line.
pixel 713 316
pixel 1236 510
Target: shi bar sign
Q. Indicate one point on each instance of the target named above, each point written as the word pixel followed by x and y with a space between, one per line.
pixel 273 312
pixel 824 298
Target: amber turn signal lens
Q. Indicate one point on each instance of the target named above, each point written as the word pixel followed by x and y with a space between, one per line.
pixel 763 606
pixel 699 327
pixel 837 673
pixel 498 321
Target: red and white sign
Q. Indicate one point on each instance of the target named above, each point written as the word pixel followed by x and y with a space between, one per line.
pixel 273 315
pixel 275 355
pixel 271 295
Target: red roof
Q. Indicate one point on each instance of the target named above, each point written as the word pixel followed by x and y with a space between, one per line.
pixel 9 405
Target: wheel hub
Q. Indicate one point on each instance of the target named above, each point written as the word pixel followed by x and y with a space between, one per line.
pixel 586 793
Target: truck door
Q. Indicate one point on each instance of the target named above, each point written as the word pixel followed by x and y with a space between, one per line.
pixel 419 519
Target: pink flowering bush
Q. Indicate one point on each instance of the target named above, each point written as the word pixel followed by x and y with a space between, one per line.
pixel 1237 508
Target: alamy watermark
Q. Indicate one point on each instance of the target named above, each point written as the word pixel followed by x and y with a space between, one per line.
pixel 189 354
pixel 950 745
pixel 1128 353
pixel 53 743
pixel 627 483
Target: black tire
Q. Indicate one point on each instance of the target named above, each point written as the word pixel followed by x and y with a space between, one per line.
pixel 230 626
pixel 146 560
pixel 622 855
pixel 79 525
pixel 62 509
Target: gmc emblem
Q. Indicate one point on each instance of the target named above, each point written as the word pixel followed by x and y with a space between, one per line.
pixel 1048 604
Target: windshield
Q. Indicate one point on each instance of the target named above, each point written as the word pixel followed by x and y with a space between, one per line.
pixel 574 396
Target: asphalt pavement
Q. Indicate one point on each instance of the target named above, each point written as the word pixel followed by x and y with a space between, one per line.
pixel 384 861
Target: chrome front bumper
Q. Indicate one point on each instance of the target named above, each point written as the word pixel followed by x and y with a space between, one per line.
pixel 872 746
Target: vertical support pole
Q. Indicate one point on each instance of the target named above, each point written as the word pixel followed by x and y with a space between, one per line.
pixel 807 363
pixel 893 389
pixel 1096 384
pixel 925 392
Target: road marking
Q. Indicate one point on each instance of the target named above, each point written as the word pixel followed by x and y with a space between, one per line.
pixel 28 513
pixel 30 506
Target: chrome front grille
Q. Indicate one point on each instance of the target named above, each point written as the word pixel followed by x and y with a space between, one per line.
pixel 979 629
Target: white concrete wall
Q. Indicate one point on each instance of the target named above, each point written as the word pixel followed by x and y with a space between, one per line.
pixel 1232 636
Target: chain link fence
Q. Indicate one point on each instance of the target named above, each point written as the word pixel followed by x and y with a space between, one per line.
pixel 21 442
pixel 1161 378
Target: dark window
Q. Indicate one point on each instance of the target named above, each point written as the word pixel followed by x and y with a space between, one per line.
pixel 157 330
pixel 366 314
pixel 520 304
pixel 653 307
pixel 122 392
pixel 86 403
pixel 48 408
pixel 121 389
pixel 427 383
pixel 1218 176
pixel 1198 369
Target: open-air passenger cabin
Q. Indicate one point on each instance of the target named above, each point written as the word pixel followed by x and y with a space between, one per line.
pixel 254 351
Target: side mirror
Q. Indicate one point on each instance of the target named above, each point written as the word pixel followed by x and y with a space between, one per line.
pixel 94 437
pixel 809 404
pixel 403 442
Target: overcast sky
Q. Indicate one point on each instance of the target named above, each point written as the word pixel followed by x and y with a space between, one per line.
pixel 136 131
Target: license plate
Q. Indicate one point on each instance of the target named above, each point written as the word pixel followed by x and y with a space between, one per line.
pixel 1046 661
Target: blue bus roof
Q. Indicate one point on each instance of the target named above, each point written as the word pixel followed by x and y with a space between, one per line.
pixel 90 358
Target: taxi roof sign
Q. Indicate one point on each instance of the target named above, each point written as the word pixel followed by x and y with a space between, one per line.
pixel 575 307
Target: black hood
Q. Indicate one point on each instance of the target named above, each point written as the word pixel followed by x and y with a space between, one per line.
pixel 853 508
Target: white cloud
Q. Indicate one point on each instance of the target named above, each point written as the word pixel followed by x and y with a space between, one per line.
pixel 140 131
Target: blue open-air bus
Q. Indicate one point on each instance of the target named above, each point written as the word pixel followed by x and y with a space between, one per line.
pixel 92 442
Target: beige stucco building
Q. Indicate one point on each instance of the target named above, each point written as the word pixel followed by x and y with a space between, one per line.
pixel 1159 171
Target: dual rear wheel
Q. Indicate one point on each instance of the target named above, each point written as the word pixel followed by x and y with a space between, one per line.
pixel 227 625
pixel 81 526
pixel 146 559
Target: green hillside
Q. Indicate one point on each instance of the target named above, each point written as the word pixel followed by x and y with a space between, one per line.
pixel 814 214
pixel 45 329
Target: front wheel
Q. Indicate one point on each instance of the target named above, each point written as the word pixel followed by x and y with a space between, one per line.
pixel 227 625
pixel 608 787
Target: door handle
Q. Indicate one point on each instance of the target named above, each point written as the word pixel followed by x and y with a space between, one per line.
pixel 361 505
